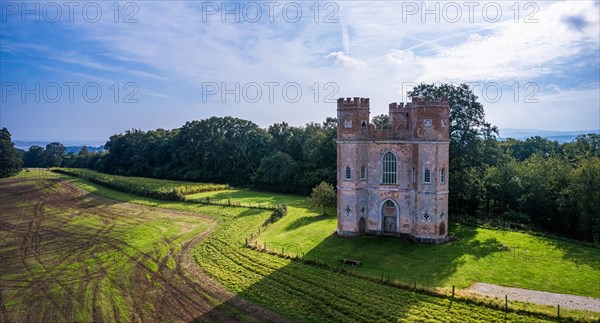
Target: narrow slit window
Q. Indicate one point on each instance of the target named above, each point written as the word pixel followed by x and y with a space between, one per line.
pixel 363 172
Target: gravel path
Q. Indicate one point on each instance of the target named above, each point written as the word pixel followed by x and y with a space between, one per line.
pixel 537 297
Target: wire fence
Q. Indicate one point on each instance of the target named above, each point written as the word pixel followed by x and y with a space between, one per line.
pixel 9 255
pixel 426 255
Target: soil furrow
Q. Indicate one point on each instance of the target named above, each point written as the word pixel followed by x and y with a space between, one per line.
pixel 63 237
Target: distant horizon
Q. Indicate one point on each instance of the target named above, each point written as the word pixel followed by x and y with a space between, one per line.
pixel 105 139
pixel 161 63
pixel 101 142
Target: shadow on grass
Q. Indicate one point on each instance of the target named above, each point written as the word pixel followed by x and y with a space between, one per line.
pixel 297 293
pixel 399 258
pixel 577 252
pixel 306 220
pixel 250 212
pixel 317 293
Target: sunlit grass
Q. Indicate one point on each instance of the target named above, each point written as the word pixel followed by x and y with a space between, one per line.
pixel 500 257
pixel 280 284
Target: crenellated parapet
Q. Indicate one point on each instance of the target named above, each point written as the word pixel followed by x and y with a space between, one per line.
pixel 400 106
pixel 355 102
pixel 422 119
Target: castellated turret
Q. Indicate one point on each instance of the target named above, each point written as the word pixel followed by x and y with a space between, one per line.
pixel 356 117
pixel 393 181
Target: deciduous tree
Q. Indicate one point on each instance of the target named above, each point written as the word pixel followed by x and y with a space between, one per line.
pixel 467 130
pixel 323 195
pixel 10 160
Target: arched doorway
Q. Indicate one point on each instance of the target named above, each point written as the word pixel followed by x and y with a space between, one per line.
pixel 362 226
pixel 389 217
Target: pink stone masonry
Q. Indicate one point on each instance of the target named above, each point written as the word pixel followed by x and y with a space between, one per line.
pixel 398 183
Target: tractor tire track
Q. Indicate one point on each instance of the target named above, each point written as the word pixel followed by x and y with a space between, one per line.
pixel 183 293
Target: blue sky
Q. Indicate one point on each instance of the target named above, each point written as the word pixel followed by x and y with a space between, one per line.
pixel 86 70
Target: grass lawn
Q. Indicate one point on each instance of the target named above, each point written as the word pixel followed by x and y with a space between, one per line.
pixel 300 215
pixel 309 293
pixel 479 255
pixel 252 197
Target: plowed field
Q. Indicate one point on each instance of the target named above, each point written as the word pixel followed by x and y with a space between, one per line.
pixel 67 255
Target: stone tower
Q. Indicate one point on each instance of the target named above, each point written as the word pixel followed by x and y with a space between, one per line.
pixel 393 181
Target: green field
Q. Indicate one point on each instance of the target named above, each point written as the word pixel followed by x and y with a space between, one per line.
pixel 252 197
pixel 479 255
pixel 68 255
pixel 158 188
pixel 311 293
pixel 301 215
pixel 249 272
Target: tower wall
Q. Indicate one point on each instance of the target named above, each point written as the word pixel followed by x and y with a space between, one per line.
pixel 416 204
pixel 353 118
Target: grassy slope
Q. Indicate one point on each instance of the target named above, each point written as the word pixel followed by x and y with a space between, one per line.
pixel 141 185
pixel 480 255
pixel 302 215
pixel 89 267
pixel 273 281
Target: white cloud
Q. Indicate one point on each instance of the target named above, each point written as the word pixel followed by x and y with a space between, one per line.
pixel 344 59
pixel 171 51
pixel 517 50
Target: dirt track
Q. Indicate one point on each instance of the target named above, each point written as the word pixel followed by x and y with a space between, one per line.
pixel 576 302
pixel 53 270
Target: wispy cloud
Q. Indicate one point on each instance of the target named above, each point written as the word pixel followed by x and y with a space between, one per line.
pixel 173 50
pixel 346 60
pixel 518 50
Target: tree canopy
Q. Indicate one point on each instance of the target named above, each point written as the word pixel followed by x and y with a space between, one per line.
pixel 10 160
pixel 468 147
pixel 323 195
pixel 533 183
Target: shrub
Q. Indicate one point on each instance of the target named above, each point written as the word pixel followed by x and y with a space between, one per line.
pixel 279 212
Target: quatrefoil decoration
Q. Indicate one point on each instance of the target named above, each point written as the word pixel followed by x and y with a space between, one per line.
pixel 348 210
pixel 426 216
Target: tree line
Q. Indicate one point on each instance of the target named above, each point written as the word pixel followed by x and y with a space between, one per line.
pixel 535 183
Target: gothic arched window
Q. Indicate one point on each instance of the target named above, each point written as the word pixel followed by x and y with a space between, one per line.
pixel 348 172
pixel 389 169
pixel 427 176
